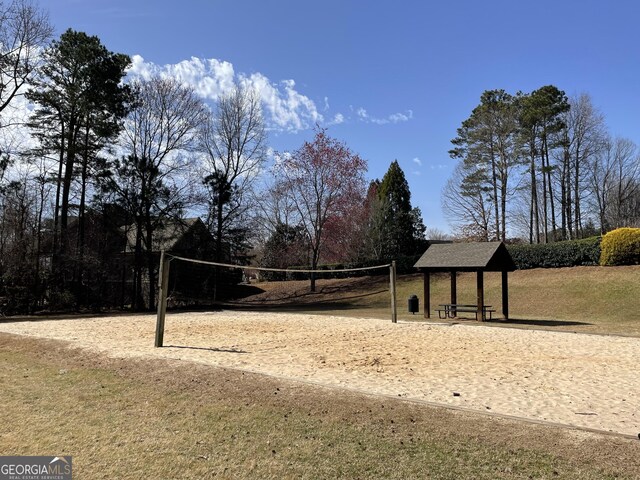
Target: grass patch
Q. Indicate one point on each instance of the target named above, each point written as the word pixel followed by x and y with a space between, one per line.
pixel 603 300
pixel 125 418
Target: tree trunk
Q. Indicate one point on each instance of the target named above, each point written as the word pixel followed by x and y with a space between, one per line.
pixel 314 266
pixel 56 213
pixel 80 273
pixel 550 186
pixel 576 196
pixel 151 263
pixel 545 214
pixel 567 210
pixel 219 234
pixel 533 210
pixel 66 190
pixel 503 208
pixel 137 269
pixel 494 185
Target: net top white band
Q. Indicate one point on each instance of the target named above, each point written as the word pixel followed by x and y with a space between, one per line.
pixel 265 269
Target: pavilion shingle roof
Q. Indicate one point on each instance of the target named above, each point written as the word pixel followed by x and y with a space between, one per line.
pixel 486 256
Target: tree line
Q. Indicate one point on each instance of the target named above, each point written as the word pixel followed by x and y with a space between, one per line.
pixel 112 156
pixel 542 166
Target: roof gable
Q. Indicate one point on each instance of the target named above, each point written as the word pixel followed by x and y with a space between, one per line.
pixel 167 236
pixel 486 256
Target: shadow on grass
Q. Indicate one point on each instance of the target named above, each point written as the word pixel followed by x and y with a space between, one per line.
pixel 301 307
pixel 208 349
pixel 538 323
pixel 310 299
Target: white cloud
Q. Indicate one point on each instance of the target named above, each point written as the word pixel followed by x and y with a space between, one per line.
pixel 15 136
pixel 362 113
pixel 364 116
pixel 417 161
pixel 401 117
pixel 338 118
pixel 287 109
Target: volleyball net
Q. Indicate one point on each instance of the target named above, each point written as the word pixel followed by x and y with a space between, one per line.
pixel 199 284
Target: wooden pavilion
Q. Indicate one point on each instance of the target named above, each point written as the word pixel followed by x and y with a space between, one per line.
pixel 467 257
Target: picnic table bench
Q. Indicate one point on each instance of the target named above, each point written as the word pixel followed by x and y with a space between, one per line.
pixel 450 310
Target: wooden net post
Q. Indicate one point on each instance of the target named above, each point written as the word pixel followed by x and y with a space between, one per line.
pixel 163 289
pixel 392 289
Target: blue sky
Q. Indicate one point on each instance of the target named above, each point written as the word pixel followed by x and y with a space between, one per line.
pixel 394 80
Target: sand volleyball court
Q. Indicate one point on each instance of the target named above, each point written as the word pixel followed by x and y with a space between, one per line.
pixel 575 379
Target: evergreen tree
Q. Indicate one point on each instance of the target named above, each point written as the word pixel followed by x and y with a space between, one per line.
pixel 81 105
pixel 489 148
pixel 401 225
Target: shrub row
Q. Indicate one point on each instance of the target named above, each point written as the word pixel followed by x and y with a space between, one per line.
pixel 621 247
pixel 569 253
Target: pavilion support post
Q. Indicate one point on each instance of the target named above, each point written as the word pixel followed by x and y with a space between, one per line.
pixel 480 283
pixel 427 295
pixel 454 291
pixel 392 288
pixel 505 295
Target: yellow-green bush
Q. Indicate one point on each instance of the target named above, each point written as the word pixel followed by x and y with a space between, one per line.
pixel 620 247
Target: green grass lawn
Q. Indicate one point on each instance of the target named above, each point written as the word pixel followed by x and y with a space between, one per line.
pixel 140 418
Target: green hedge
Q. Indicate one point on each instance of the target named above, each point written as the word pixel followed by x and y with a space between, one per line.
pixel 621 247
pixel 569 253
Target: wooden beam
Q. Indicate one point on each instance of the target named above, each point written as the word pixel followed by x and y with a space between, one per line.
pixel 480 282
pixel 505 295
pixel 427 294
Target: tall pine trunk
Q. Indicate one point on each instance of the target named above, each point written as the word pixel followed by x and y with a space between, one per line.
pixel 576 195
pixel 547 171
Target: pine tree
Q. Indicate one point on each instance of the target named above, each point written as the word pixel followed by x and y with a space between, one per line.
pixel 81 105
pixel 401 224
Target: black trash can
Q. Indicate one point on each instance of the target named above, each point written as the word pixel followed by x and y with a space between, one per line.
pixel 414 304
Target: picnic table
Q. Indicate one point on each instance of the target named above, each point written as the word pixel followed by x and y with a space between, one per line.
pixel 450 310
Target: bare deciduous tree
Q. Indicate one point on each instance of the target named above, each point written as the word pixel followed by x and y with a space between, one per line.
pixel 163 122
pixel 322 177
pixel 24 30
pixel 585 136
pixel 234 142
pixel 615 184
pixel 467 204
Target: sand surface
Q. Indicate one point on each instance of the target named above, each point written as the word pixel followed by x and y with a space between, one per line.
pixel 582 380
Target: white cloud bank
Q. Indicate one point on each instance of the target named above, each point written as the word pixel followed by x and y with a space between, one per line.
pixel 286 108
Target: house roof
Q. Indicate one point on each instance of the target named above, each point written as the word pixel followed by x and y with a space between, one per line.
pixel 165 237
pixel 486 256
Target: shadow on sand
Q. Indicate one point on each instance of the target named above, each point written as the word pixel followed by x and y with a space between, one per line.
pixel 208 349
pixel 41 317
